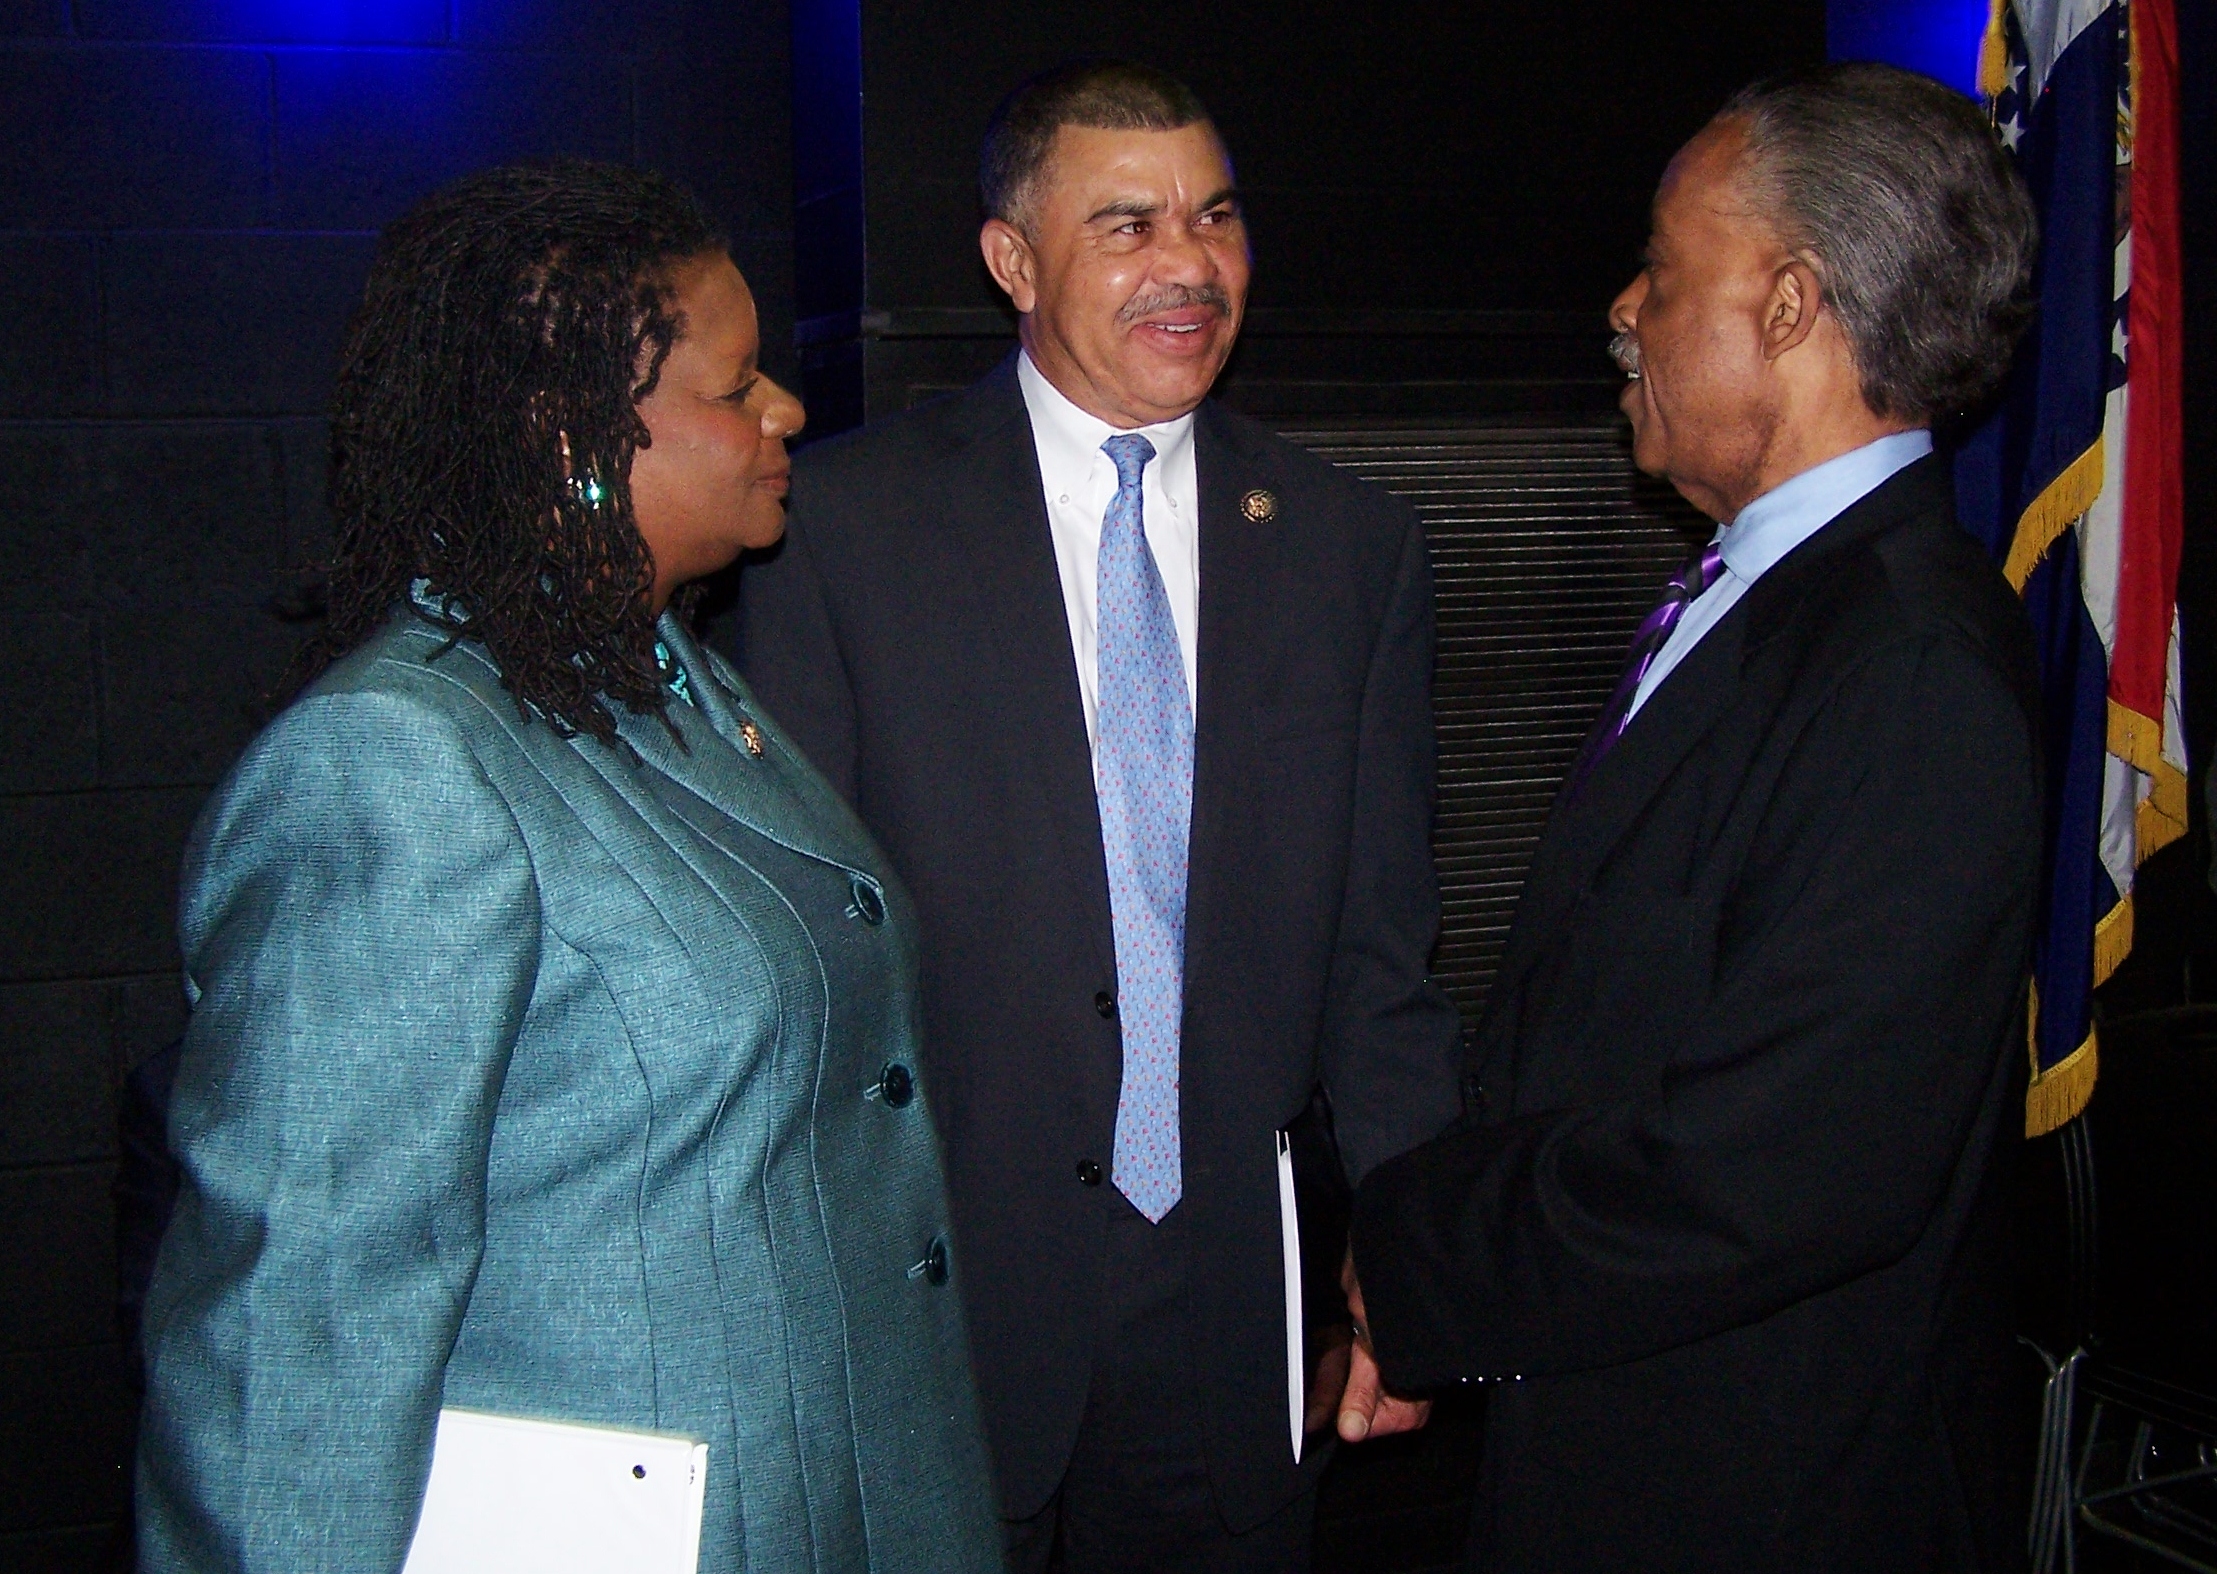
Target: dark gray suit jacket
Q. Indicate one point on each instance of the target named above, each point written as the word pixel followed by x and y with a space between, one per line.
pixel 1733 1225
pixel 911 634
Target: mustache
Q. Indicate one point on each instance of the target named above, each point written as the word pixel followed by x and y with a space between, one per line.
pixel 1624 349
pixel 1175 297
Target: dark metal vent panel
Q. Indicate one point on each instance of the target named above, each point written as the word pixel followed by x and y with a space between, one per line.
pixel 1547 550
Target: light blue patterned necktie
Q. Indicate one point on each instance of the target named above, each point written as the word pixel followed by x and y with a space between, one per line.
pixel 1143 774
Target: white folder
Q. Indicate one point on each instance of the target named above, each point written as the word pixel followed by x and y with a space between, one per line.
pixel 515 1496
pixel 1289 1231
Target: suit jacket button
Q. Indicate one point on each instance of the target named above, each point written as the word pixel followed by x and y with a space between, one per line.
pixel 868 905
pixel 896 1085
pixel 933 1269
pixel 1089 1173
pixel 1105 1003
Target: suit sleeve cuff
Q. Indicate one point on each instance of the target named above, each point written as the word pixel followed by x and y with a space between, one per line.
pixel 1402 1234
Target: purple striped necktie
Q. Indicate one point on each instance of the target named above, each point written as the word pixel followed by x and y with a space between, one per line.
pixel 1697 575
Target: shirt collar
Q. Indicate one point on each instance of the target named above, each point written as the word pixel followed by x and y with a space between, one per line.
pixel 1793 511
pixel 1069 439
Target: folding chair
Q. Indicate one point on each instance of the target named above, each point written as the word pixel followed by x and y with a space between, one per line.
pixel 2128 1441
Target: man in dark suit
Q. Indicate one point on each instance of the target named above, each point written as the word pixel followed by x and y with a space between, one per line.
pixel 1137 697
pixel 1729 1236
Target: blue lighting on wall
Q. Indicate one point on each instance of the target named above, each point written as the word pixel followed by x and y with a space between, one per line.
pixel 1937 37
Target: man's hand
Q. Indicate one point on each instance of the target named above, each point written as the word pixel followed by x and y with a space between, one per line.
pixel 1366 1410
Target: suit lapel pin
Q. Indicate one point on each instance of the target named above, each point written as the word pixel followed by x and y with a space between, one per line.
pixel 1259 506
pixel 751 736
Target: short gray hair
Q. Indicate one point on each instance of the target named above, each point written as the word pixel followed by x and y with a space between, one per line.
pixel 1108 95
pixel 1920 227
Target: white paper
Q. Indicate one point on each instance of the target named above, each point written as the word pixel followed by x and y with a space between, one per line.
pixel 1289 1230
pixel 511 1496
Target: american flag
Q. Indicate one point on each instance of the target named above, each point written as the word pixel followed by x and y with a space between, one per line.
pixel 2075 482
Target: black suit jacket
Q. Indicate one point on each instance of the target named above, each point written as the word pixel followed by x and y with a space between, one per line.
pixel 910 632
pixel 1730 1233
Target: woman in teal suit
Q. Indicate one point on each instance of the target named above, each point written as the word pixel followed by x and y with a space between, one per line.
pixel 553 1048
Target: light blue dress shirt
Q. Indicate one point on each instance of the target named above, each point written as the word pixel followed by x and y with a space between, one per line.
pixel 1772 526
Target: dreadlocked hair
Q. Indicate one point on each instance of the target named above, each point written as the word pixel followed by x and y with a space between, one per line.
pixel 484 424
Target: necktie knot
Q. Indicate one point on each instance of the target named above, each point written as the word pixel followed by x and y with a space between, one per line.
pixel 1129 452
pixel 1686 587
pixel 1699 573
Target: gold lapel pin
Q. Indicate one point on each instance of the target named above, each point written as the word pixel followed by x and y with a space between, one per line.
pixel 751 736
pixel 1259 506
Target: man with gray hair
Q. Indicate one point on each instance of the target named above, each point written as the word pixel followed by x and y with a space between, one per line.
pixel 1727 1236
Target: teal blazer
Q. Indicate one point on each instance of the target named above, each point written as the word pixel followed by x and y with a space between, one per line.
pixel 535 1075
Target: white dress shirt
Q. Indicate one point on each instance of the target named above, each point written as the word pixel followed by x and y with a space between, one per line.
pixel 1772 526
pixel 1080 483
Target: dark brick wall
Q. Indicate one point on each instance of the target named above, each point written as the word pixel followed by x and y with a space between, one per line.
pixel 188 195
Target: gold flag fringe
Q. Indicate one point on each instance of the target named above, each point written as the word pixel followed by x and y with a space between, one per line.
pixel 2112 939
pixel 2157 821
pixel 2155 825
pixel 2062 1090
pixel 2054 511
pixel 2160 818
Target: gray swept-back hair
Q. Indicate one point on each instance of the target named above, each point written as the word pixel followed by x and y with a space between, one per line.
pixel 1109 95
pixel 1920 228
